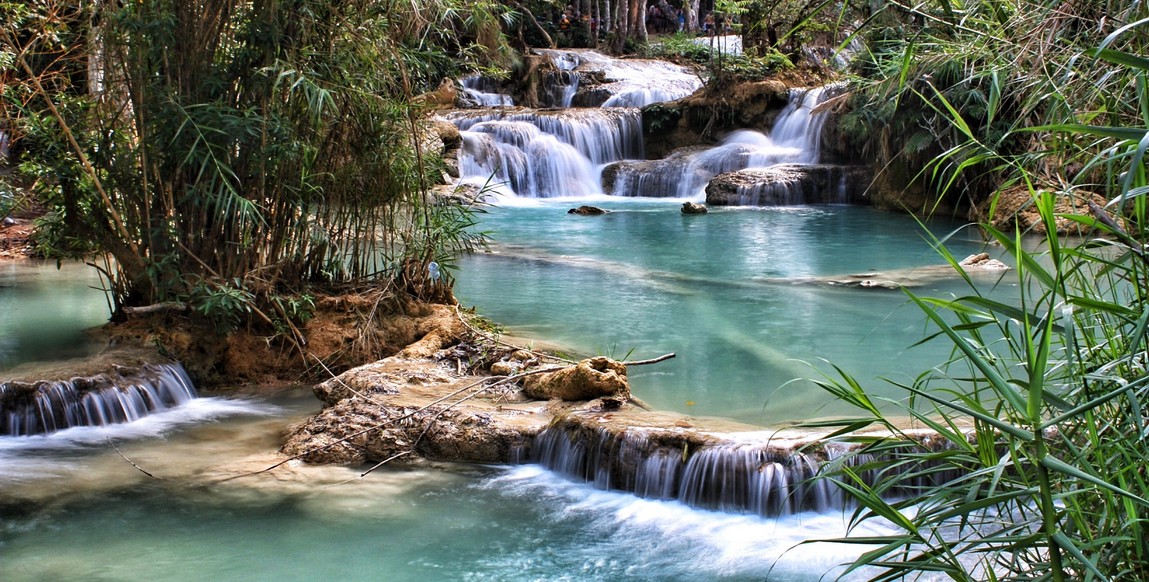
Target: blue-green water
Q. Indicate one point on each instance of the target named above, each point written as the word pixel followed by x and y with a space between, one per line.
pixel 723 291
pixel 44 311
pixel 643 280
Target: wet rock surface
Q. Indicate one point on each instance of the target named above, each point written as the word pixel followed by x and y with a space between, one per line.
pixel 788 184
pixel 586 210
pixel 693 208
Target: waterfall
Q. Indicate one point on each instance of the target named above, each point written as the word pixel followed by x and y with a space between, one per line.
pixel 543 154
pixel 29 408
pixel 719 474
pixel 686 173
pixel 799 126
pixel 614 82
pixel 563 84
pixel 724 476
pixel 484 92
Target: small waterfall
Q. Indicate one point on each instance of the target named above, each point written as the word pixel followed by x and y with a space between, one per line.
pixel 799 126
pixel 736 477
pixel 723 476
pixel 484 92
pixel 30 408
pixel 562 84
pixel 685 174
pixel 543 154
pixel 615 82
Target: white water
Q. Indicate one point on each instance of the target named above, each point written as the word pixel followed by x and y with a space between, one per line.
pixel 484 93
pixel 629 82
pixel 546 154
pixel 87 514
pixel 64 404
pixel 561 154
pixel 685 174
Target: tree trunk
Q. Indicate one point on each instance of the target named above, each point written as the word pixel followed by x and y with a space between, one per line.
pixel 638 20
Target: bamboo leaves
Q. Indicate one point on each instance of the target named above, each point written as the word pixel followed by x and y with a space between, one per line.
pixel 1041 412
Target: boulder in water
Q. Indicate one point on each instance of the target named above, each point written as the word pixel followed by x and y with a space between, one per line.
pixel 586 210
pixel 982 262
pixel 589 379
pixel 693 208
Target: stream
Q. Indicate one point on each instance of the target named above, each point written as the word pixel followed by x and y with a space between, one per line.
pixel 732 293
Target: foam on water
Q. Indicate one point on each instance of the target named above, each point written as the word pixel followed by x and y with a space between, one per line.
pixel 668 540
pixel 28 457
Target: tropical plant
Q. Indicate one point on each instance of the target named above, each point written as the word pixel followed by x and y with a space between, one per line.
pixel 997 69
pixel 238 151
pixel 1034 469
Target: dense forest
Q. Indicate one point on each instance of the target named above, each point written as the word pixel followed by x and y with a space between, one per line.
pixel 239 156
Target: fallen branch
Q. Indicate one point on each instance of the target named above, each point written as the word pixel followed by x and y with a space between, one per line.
pixel 661 358
pixel 157 308
pixel 372 469
pixel 130 462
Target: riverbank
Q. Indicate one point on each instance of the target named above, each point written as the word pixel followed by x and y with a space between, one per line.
pixel 16 239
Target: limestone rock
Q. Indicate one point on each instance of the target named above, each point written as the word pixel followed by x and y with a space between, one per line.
pixel 589 379
pixel 693 208
pixel 983 262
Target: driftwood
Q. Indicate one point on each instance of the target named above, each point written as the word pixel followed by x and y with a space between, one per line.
pixel 157 308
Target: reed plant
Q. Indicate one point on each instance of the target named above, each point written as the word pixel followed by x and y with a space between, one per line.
pixel 1032 462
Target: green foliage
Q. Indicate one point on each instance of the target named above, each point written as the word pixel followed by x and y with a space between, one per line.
pixel 226 305
pixel 956 90
pixel 659 117
pixel 273 144
pixel 7 199
pixel 687 49
pixel 1037 471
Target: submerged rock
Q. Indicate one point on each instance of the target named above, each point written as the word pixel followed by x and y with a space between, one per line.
pixel 693 208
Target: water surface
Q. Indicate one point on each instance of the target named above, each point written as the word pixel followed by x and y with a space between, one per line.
pixel 726 291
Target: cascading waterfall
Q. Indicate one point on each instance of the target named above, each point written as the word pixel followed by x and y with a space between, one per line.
pixel 793 140
pixel 543 154
pixel 484 92
pixel 49 406
pixel 727 477
pixel 563 84
pixel 798 124
pixel 615 82
pixel 739 477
